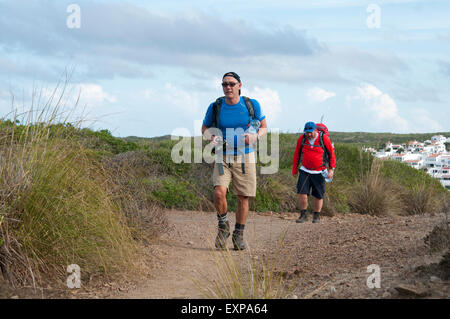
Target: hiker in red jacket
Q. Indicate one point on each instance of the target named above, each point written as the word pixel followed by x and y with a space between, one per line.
pixel 314 151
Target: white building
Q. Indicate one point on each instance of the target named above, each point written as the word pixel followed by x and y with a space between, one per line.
pixel 430 155
pixel 439 139
pixel 445 160
pixel 415 163
pixel 445 181
pixel 432 160
pixel 414 147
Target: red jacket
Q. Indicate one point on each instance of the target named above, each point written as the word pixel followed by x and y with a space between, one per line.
pixel 312 159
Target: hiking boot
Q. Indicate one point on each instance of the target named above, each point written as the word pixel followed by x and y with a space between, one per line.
pixel 222 235
pixel 303 217
pixel 316 217
pixel 238 239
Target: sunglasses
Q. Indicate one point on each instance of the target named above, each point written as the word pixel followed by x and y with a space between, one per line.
pixel 230 84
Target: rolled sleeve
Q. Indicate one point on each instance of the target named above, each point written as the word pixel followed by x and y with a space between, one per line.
pixel 259 115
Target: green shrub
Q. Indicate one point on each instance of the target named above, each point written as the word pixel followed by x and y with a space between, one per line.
pixel 174 193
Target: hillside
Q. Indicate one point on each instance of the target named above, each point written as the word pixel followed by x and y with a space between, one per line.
pixel 187 185
pixel 360 138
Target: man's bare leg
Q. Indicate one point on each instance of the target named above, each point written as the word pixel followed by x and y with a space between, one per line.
pixel 220 199
pixel 220 202
pixel 302 201
pixel 317 205
pixel 242 210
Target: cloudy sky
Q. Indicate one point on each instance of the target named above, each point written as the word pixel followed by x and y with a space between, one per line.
pixel 149 68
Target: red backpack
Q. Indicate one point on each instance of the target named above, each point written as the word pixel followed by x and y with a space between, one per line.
pixel 323 130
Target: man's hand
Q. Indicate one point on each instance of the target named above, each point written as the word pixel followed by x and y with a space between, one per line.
pixel 214 139
pixel 330 173
pixel 250 138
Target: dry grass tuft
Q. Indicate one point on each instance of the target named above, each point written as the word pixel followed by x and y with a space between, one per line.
pixel 373 194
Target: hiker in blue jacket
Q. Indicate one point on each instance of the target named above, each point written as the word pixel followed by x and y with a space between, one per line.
pixel 231 115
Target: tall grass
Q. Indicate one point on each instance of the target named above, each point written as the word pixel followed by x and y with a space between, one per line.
pixel 56 203
pixel 420 199
pixel 241 275
pixel 374 195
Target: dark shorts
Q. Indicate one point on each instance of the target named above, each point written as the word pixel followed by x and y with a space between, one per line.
pixel 307 181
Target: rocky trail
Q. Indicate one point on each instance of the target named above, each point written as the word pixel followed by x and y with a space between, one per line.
pixel 324 260
pixel 329 259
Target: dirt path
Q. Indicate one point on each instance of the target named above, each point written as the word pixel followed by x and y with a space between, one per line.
pixel 325 260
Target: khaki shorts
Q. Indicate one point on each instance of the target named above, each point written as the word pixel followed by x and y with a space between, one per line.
pixel 243 184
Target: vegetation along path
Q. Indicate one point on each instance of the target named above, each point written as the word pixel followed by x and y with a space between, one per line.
pixel 324 260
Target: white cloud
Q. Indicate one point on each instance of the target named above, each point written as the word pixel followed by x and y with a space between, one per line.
pixel 423 120
pixel 93 94
pixel 382 108
pixel 268 99
pixel 319 95
pixel 147 94
pixel 148 38
pixel 180 99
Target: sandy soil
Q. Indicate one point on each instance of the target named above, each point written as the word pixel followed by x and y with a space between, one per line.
pixel 324 260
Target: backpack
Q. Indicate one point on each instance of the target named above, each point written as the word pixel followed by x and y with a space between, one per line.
pixel 218 104
pixel 323 130
pixel 216 111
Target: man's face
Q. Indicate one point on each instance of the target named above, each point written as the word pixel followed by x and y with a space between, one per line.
pixel 311 134
pixel 231 87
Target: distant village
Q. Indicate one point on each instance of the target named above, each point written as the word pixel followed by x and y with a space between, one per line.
pixel 430 155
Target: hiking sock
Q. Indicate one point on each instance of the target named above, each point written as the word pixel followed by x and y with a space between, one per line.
pixel 239 227
pixel 222 219
pixel 316 217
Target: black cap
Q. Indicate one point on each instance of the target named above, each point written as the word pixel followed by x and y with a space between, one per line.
pixel 234 75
